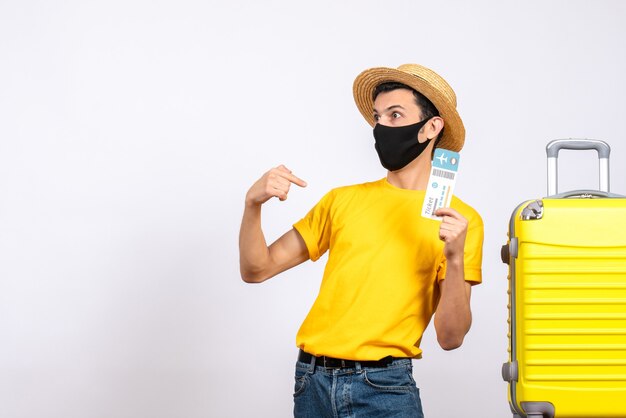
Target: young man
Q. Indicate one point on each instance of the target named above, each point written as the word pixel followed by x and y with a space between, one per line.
pixel 389 269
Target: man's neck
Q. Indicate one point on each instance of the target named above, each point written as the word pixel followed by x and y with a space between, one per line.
pixel 414 176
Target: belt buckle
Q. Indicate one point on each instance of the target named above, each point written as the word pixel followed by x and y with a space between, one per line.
pixel 338 363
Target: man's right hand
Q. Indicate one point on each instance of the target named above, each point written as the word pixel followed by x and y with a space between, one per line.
pixel 274 183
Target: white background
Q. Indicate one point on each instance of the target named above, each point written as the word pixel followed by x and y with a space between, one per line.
pixel 130 132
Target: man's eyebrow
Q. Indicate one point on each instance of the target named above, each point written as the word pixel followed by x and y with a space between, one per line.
pixel 392 107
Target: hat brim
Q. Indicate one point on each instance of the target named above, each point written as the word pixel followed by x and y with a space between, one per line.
pixel 453 136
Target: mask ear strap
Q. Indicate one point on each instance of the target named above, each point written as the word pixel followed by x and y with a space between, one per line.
pixel 439 138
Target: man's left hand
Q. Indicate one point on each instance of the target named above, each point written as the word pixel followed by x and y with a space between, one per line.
pixel 452 232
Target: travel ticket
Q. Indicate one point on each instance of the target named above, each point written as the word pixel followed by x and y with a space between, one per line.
pixel 441 182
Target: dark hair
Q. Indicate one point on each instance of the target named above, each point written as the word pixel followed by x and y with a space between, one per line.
pixel 426 106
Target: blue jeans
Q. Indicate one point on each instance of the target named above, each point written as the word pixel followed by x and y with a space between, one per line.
pixel 358 392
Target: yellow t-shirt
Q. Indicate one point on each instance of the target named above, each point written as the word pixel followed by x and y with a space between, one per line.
pixel 380 285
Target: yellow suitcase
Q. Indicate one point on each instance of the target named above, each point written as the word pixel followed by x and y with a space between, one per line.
pixel 567 299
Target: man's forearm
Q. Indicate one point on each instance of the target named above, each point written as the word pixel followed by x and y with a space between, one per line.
pixel 453 317
pixel 253 251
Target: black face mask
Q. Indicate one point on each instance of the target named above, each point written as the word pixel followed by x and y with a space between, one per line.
pixel 398 146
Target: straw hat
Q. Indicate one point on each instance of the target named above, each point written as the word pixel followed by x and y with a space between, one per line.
pixel 425 81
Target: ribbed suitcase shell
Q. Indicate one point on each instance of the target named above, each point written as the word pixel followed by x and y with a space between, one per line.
pixel 568 308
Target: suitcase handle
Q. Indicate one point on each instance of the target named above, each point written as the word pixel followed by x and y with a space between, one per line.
pixel 553 148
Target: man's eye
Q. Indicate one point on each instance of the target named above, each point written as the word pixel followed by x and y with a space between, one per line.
pixel 376 117
pixel 395 115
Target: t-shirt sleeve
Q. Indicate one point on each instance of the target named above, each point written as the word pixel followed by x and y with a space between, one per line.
pixel 474 251
pixel 315 227
pixel 473 257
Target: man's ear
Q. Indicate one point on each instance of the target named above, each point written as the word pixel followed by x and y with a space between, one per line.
pixel 434 126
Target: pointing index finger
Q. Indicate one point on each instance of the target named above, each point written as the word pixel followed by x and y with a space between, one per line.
pixel 291 177
pixel 296 180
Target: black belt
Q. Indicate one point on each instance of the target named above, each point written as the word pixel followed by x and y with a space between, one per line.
pixel 337 363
